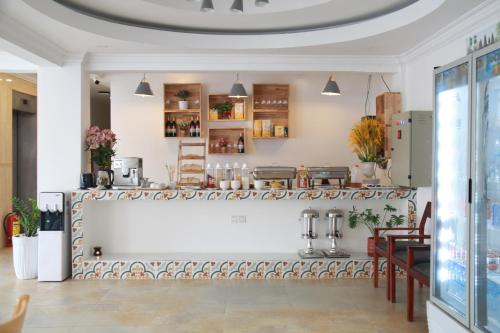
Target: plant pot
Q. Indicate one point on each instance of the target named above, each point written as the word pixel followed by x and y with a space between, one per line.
pixel 183 105
pixel 368 169
pixel 370 248
pixel 25 253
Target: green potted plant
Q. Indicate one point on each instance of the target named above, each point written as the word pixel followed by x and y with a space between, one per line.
pixel 25 245
pixel 183 95
pixel 372 221
pixel 183 127
pixel 224 109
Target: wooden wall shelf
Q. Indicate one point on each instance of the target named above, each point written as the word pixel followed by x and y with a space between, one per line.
pixel 230 137
pixel 270 111
pixel 172 110
pixel 237 113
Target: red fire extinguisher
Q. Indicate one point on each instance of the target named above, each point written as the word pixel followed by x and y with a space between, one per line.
pixel 12 226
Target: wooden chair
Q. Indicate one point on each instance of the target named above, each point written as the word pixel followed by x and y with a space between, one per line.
pixel 381 246
pixel 15 325
pixel 398 257
pixel 415 271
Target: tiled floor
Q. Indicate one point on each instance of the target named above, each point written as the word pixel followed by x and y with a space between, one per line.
pixel 263 306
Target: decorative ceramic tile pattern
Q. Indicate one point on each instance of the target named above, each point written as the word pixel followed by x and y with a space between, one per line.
pixel 294 269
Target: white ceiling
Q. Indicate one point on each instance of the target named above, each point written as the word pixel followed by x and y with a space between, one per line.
pixel 392 41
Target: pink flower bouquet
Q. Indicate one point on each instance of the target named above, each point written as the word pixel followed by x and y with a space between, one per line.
pixel 101 144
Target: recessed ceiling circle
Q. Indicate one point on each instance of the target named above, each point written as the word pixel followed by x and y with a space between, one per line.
pixel 279 16
pixel 281 24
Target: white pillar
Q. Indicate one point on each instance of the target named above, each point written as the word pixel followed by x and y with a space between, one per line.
pixel 63 115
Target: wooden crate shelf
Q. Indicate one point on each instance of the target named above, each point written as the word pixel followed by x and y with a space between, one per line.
pixel 172 110
pixel 237 113
pixel 230 136
pixel 270 111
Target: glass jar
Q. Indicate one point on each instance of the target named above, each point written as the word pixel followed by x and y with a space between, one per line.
pixel 210 176
pixel 228 172
pixel 236 171
pixel 245 177
pixel 219 175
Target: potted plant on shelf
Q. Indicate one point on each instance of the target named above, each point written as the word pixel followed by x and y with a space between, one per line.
pixel 222 145
pixel 101 144
pixel 183 95
pixel 372 221
pixel 183 127
pixel 367 141
pixel 224 110
pixel 25 245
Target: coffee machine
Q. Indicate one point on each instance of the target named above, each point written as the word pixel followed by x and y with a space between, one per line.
pixel 54 242
pixel 127 171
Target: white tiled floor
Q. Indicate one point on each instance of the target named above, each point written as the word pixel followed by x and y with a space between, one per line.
pixel 264 306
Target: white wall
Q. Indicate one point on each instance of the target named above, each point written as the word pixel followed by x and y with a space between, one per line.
pixel 63 114
pixel 318 125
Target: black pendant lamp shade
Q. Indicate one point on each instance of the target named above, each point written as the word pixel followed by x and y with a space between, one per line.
pixel 143 89
pixel 331 88
pixel 238 90
pixel 237 6
pixel 207 6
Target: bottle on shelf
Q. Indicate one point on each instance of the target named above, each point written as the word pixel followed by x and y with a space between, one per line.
pixel 302 177
pixel 241 144
pixel 167 128
pixel 174 128
pixel 192 128
pixel 245 177
pixel 197 127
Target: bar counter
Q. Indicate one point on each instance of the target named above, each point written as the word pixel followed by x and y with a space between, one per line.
pixel 172 265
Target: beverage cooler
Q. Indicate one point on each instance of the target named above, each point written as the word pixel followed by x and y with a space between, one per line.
pixel 465 276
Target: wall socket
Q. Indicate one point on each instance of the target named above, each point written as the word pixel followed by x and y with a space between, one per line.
pixel 238 219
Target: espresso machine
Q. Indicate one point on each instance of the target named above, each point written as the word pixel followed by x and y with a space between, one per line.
pixel 127 172
pixel 309 218
pixel 334 219
pixel 54 242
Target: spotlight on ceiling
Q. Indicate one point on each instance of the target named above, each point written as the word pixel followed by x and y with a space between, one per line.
pixel 261 3
pixel 207 6
pixel 237 6
pixel 331 88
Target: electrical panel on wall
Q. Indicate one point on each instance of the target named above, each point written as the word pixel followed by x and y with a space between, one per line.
pixel 411 155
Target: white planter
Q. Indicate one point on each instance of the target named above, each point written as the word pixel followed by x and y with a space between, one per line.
pixel 183 105
pixel 25 252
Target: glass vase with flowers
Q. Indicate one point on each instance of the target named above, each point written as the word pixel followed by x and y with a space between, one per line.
pixel 101 144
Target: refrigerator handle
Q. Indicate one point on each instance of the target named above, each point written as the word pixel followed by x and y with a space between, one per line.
pixel 470 190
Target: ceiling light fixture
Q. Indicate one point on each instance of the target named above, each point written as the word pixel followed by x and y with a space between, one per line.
pixel 238 90
pixel 143 89
pixel 207 6
pixel 331 88
pixel 261 3
pixel 237 6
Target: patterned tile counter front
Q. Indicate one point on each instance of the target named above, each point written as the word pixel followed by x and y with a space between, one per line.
pixel 117 267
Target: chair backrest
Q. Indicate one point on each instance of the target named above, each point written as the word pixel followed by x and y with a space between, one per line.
pixel 15 325
pixel 423 220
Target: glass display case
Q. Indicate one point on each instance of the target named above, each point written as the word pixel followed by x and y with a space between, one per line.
pixel 465 276
pixel 487 191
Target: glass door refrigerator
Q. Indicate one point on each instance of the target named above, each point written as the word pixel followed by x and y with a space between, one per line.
pixel 465 276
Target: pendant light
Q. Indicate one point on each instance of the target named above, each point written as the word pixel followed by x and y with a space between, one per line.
pixel 237 6
pixel 238 90
pixel 207 6
pixel 331 88
pixel 261 3
pixel 143 89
